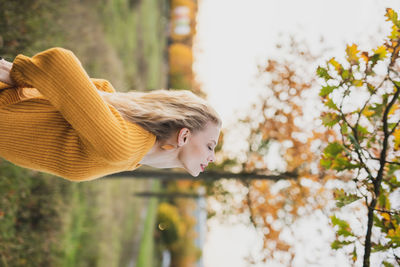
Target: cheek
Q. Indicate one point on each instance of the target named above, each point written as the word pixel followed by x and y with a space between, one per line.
pixel 192 156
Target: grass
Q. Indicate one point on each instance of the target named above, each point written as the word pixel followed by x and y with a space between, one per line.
pixel 147 248
pixel 48 221
pixel 103 220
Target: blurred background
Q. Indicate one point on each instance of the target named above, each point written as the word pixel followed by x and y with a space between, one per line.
pixel 274 197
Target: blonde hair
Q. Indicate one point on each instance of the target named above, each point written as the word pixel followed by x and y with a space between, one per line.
pixel 163 112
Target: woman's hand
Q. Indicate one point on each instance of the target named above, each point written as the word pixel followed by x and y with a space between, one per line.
pixel 5 68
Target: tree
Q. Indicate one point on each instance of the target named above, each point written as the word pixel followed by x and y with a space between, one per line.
pixel 279 122
pixel 362 104
pixel 180 66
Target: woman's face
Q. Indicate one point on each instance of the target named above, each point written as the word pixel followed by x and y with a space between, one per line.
pixel 198 148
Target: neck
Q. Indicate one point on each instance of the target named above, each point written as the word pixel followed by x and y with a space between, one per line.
pixel 160 158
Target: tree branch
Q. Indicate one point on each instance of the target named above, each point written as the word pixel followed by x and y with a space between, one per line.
pixel 389 211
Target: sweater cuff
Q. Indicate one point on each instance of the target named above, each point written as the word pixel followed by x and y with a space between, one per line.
pixel 16 73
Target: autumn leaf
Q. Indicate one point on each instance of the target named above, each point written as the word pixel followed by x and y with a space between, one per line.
pixel 396 135
pixel 395 33
pixel 380 52
pixel 358 83
pixel 354 254
pixel 352 54
pixel 392 16
pixel 338 67
pixel 386 216
pixel 367 112
pixel 393 109
pixel 364 55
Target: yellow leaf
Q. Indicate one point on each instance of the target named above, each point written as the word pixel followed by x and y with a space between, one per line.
pixel 393 109
pixel 381 51
pixel 391 233
pixel 386 216
pixel 352 54
pixel 367 112
pixel 358 83
pixel 336 64
pixel 396 138
pixel 389 14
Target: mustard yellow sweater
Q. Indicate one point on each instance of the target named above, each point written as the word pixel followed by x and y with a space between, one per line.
pixel 66 129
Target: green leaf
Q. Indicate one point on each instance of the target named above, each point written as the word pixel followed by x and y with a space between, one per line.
pixel 344 128
pixel 394 181
pixel 346 74
pixel 330 104
pixel 326 90
pixel 378 109
pixel 354 254
pixel 326 163
pixel 339 244
pixel 333 149
pixel 330 119
pixel 323 73
pixel 397 84
pixel 383 200
pixel 354 141
pixel 339 222
pixel 361 132
pixel 344 232
pixel 378 223
pixel 378 247
pixel 344 198
pixel 387 264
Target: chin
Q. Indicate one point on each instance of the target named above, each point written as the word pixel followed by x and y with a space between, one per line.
pixel 193 173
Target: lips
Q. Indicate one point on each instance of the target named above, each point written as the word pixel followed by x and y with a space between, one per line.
pixel 203 167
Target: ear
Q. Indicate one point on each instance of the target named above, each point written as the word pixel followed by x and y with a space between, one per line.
pixel 183 136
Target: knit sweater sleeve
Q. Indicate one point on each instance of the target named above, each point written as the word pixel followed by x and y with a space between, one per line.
pixel 103 85
pixel 58 75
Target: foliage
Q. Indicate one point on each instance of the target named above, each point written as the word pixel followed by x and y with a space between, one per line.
pixel 279 142
pixel 30 216
pixel 184 253
pixel 44 220
pixel 169 224
pixel 362 103
pixel 180 70
pixel 29 25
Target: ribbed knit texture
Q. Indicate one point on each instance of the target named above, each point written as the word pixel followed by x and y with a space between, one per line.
pixel 66 128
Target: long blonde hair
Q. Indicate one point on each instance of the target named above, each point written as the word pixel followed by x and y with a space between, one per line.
pixel 163 112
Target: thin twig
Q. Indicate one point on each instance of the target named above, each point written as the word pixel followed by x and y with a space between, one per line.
pixel 389 211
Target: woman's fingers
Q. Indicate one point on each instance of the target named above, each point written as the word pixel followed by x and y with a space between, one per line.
pixel 5 64
pixel 5 68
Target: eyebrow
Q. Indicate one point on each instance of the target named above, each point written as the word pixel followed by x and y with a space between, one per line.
pixel 215 143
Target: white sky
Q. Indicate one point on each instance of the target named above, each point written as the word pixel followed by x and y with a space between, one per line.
pixel 235 36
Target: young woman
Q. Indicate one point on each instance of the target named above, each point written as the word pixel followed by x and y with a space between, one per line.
pixel 55 119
